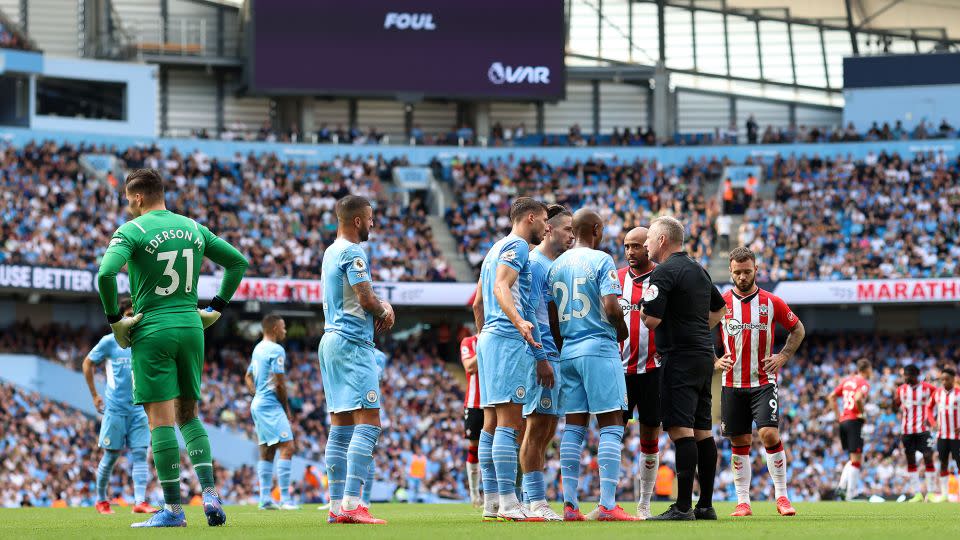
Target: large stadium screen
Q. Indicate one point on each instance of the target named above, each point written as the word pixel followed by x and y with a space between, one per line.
pixel 498 49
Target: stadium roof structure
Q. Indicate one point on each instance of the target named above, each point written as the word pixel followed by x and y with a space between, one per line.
pixel 757 47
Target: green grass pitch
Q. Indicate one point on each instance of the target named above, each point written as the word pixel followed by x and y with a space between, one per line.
pixel 815 521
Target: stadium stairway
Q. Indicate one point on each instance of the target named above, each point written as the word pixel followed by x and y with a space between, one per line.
pixel 59 383
pixel 447 244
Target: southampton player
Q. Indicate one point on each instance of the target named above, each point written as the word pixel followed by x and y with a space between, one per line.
pixel 266 378
pixel 750 366
pixel 542 408
pixel 641 363
pixel 352 312
pixel 913 398
pixel 946 408
pixel 508 354
pixel 853 393
pixel 589 319
pixel 124 424
pixel 164 252
pixel 472 415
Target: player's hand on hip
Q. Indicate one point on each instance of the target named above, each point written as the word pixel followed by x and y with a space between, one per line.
pixel 98 403
pixel 526 330
pixel 545 376
pixel 208 316
pixel 387 321
pixel 773 363
pixel 121 329
pixel 724 363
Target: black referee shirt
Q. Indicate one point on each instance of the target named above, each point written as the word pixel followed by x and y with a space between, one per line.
pixel 682 295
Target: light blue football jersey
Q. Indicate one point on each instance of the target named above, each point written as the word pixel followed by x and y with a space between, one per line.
pixel 579 279
pixel 539 272
pixel 513 252
pixel 344 265
pixel 118 396
pixel 267 358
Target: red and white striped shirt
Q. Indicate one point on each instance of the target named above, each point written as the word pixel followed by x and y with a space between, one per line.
pixel 468 349
pixel 748 328
pixel 913 406
pixel 638 352
pixel 947 406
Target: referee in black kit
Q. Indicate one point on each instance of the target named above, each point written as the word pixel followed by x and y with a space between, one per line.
pixel 681 306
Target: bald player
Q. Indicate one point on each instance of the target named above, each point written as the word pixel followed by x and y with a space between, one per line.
pixel 641 363
pixel 590 322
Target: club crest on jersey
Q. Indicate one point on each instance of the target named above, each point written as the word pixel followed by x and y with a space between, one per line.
pixel 359 264
pixel 763 309
pixel 651 293
pixel 521 392
pixel 284 434
pixel 372 396
pixel 106 441
pixel 545 403
pixel 280 362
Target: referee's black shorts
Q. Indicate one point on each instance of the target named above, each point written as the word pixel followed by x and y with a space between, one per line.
pixel 851 436
pixel 685 394
pixel 643 394
pixel 472 423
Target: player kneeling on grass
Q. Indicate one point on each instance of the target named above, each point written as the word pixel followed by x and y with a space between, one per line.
pixel 271 412
pixel 586 288
pixel 750 377
pixel 163 253
pixel 124 424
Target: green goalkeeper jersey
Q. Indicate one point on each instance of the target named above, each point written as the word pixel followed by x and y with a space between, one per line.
pixel 163 252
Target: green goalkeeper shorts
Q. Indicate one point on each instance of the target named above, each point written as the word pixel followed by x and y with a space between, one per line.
pixel 167 364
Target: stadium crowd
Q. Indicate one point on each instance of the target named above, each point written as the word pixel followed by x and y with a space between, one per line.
pixel 423 416
pixel 280 214
pixel 626 195
pixel 885 216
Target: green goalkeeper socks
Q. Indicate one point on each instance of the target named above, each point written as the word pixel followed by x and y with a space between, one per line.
pixel 198 448
pixel 166 459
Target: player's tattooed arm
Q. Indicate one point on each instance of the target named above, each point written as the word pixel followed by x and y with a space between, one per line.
pixel 248 378
pixel 380 309
pixel 794 340
pixel 554 316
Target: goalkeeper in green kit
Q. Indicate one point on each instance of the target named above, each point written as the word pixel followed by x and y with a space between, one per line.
pixel 163 252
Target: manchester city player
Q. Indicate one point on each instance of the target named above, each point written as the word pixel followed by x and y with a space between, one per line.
pixel 124 424
pixel 509 353
pixel 347 365
pixel 542 410
pixel 266 378
pixel 585 287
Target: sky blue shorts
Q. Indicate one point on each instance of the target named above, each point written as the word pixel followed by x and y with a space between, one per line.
pixel 592 384
pixel 506 368
pixel 350 374
pixel 119 430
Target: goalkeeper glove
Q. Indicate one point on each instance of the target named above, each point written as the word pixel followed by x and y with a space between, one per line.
pixel 121 328
pixel 211 314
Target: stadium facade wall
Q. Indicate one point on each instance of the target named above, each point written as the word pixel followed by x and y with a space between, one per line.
pixel 421 155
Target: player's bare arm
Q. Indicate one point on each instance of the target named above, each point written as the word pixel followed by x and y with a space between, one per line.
pixel 88 368
pixel 470 364
pixel 554 317
pixel 280 388
pixel 503 282
pixel 478 308
pixel 251 386
pixel 774 362
pixel 380 309
pixel 611 307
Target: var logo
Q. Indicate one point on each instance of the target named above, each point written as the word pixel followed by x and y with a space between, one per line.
pixel 501 74
pixel 409 21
